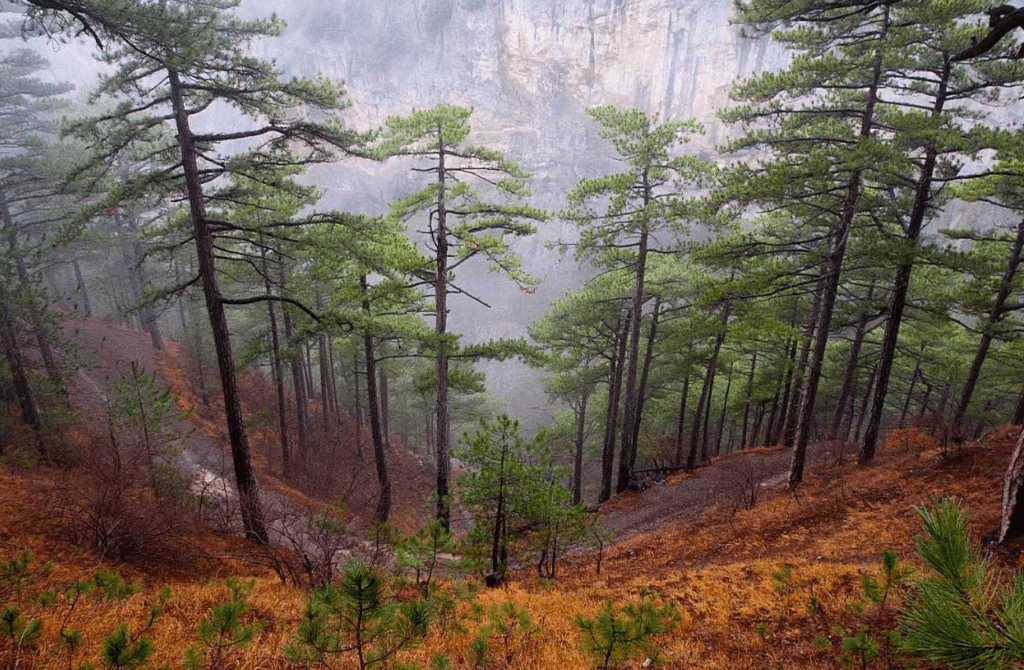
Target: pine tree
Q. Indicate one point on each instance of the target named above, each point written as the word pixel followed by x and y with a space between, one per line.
pixel 198 57
pixel 617 216
pixel 462 223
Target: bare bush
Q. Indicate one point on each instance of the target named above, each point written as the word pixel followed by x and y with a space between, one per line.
pixel 108 501
pixel 743 477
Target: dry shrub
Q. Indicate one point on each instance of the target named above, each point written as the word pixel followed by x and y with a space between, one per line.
pixel 110 501
pixel 742 481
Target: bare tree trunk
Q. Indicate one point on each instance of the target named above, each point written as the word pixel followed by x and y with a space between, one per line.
pixel 869 385
pixel 372 401
pixel 298 384
pixel 34 310
pixel 682 420
pixel 995 315
pixel 746 402
pixel 1011 520
pixel 612 414
pixel 846 386
pixel 705 395
pixel 795 398
pixel 830 283
pixel 577 462
pixel 249 501
pixel 22 386
pixel 358 409
pixel 630 410
pixel 642 391
pixel 443 431
pixel 275 360
pixel 81 287
pixel 1018 411
pixel 901 282
pixel 910 391
pixel 777 432
pixel 721 416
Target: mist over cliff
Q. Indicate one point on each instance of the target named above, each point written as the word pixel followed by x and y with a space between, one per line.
pixel 529 69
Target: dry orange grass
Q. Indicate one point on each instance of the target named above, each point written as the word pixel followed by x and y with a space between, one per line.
pixel 717 568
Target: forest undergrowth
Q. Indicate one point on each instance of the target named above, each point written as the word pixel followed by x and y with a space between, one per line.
pixel 785 584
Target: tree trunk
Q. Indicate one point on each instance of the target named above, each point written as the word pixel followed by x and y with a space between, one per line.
pixel 612 414
pixel 846 386
pixel 868 387
pixel 35 317
pixel 384 502
pixel 577 462
pixel 705 393
pixel 995 315
pixel 910 390
pixel 443 434
pixel 22 386
pixel 385 407
pixel 1018 411
pixel 249 501
pixel 642 390
pixel 901 282
pixel 325 375
pixel 721 416
pixel 705 443
pixel 779 430
pixel 298 385
pixel 793 410
pixel 1011 520
pixel 681 424
pixel 630 410
pixel 275 361
pixel 746 402
pixel 81 287
pixel 358 409
pixel 830 282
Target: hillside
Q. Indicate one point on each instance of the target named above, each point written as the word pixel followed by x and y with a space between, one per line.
pixel 755 587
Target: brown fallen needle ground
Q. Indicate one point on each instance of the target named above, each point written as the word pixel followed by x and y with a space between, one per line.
pixel 717 567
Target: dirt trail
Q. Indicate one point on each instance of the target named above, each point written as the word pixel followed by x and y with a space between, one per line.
pixel 106 351
pixel 735 481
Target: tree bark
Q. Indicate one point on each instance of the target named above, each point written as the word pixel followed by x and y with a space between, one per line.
pixel 1011 520
pixel 275 362
pixel 901 282
pixel 577 462
pixel 995 315
pixel 81 287
pixel 681 424
pixel 443 435
pixel 384 502
pixel 35 317
pixel 298 384
pixel 630 410
pixel 830 281
pixel 846 386
pixel 705 394
pixel 642 390
pixel 721 415
pixel 22 386
pixel 746 402
pixel 248 494
pixel 612 412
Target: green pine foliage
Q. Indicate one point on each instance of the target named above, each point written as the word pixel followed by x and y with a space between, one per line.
pixel 357 617
pixel 226 629
pixel 618 634
pixel 959 615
